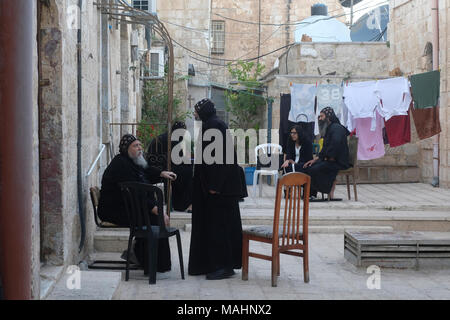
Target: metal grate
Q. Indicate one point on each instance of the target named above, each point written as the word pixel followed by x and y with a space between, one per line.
pixel 218 37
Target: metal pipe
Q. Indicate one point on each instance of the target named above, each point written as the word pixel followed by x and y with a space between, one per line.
pixel 80 132
pixel 16 147
pixel 435 26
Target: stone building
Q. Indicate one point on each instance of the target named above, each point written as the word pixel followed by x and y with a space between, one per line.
pixel 75 101
pixel 410 35
pixel 221 31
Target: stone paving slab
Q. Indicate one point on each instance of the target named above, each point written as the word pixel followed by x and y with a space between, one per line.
pixel 93 285
pixel 331 277
pixel 400 196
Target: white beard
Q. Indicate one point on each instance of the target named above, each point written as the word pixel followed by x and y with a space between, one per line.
pixel 140 161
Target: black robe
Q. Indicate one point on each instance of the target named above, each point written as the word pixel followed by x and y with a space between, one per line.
pixel 306 154
pixel 216 238
pixel 324 172
pixel 111 206
pixel 182 186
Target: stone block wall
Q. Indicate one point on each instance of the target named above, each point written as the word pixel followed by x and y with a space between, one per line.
pixel 409 32
pixel 56 227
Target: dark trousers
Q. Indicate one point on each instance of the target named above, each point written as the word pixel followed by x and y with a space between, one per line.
pixel 322 173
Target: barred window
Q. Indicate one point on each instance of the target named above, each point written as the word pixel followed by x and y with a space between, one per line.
pixel 218 36
pixel 141 4
pixel 145 5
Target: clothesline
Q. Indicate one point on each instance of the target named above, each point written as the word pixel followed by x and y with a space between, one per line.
pixel 371 107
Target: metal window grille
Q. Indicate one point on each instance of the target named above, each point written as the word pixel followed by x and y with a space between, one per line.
pixel 154 64
pixel 218 37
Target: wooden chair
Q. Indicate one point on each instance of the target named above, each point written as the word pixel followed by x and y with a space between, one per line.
pixel 95 196
pixel 286 235
pixel 353 171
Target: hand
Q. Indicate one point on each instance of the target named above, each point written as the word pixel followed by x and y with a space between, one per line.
pixel 309 163
pixel 213 192
pixel 285 164
pixel 166 220
pixel 168 175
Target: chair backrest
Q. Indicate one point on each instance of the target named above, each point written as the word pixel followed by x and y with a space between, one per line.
pixel 267 148
pixel 95 196
pixel 295 218
pixel 353 150
pixel 137 197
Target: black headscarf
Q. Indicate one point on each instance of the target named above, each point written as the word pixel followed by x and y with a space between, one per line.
pixel 205 109
pixel 178 125
pixel 330 114
pixel 125 143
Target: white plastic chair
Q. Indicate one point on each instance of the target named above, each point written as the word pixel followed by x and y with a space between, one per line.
pixel 274 149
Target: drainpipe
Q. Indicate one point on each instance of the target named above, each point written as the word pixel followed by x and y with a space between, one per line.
pixel 435 26
pixel 79 134
pixel 16 146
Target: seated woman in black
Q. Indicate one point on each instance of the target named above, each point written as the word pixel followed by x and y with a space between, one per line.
pixel 299 151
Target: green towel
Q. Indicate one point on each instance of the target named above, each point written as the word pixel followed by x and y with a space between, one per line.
pixel 425 89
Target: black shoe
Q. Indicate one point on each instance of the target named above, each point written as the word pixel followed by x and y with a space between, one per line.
pixel 220 274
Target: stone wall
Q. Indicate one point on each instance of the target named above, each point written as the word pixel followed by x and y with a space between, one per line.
pixel 188 23
pixel 110 93
pixel 409 32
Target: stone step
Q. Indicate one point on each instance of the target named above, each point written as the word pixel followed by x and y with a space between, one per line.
pixel 329 229
pixel 117 241
pixel 92 285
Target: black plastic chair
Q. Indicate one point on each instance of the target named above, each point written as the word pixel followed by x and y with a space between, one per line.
pixel 136 196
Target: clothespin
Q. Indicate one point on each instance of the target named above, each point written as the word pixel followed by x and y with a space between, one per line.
pixel 316 84
pixel 290 84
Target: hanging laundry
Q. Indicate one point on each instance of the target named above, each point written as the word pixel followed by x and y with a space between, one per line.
pixel 394 95
pixel 398 130
pixel 285 107
pixel 361 100
pixel 425 89
pixel 370 145
pixel 330 95
pixel 426 121
pixel 307 128
pixel 302 103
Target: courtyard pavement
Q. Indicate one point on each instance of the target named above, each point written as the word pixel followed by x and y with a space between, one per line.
pixel 331 277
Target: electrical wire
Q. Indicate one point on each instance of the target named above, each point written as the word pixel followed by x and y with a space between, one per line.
pixel 255 58
pixel 300 22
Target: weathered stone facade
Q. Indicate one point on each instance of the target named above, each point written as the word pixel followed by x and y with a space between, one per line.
pixel 410 37
pixel 189 23
pixel 110 92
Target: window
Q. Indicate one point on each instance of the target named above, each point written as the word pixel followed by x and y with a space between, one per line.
pixel 218 37
pixel 145 5
pixel 157 62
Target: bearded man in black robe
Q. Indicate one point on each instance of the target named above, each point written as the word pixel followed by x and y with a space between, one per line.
pixel 216 238
pixel 130 166
pixel 333 157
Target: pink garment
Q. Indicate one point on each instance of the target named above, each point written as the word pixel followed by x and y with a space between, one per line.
pixel 370 145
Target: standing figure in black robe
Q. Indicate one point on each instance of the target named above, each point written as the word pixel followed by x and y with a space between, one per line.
pixel 333 157
pixel 182 186
pixel 216 239
pixel 299 150
pixel 130 166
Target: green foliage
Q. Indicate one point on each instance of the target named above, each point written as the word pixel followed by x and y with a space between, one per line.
pixel 244 102
pixel 155 103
